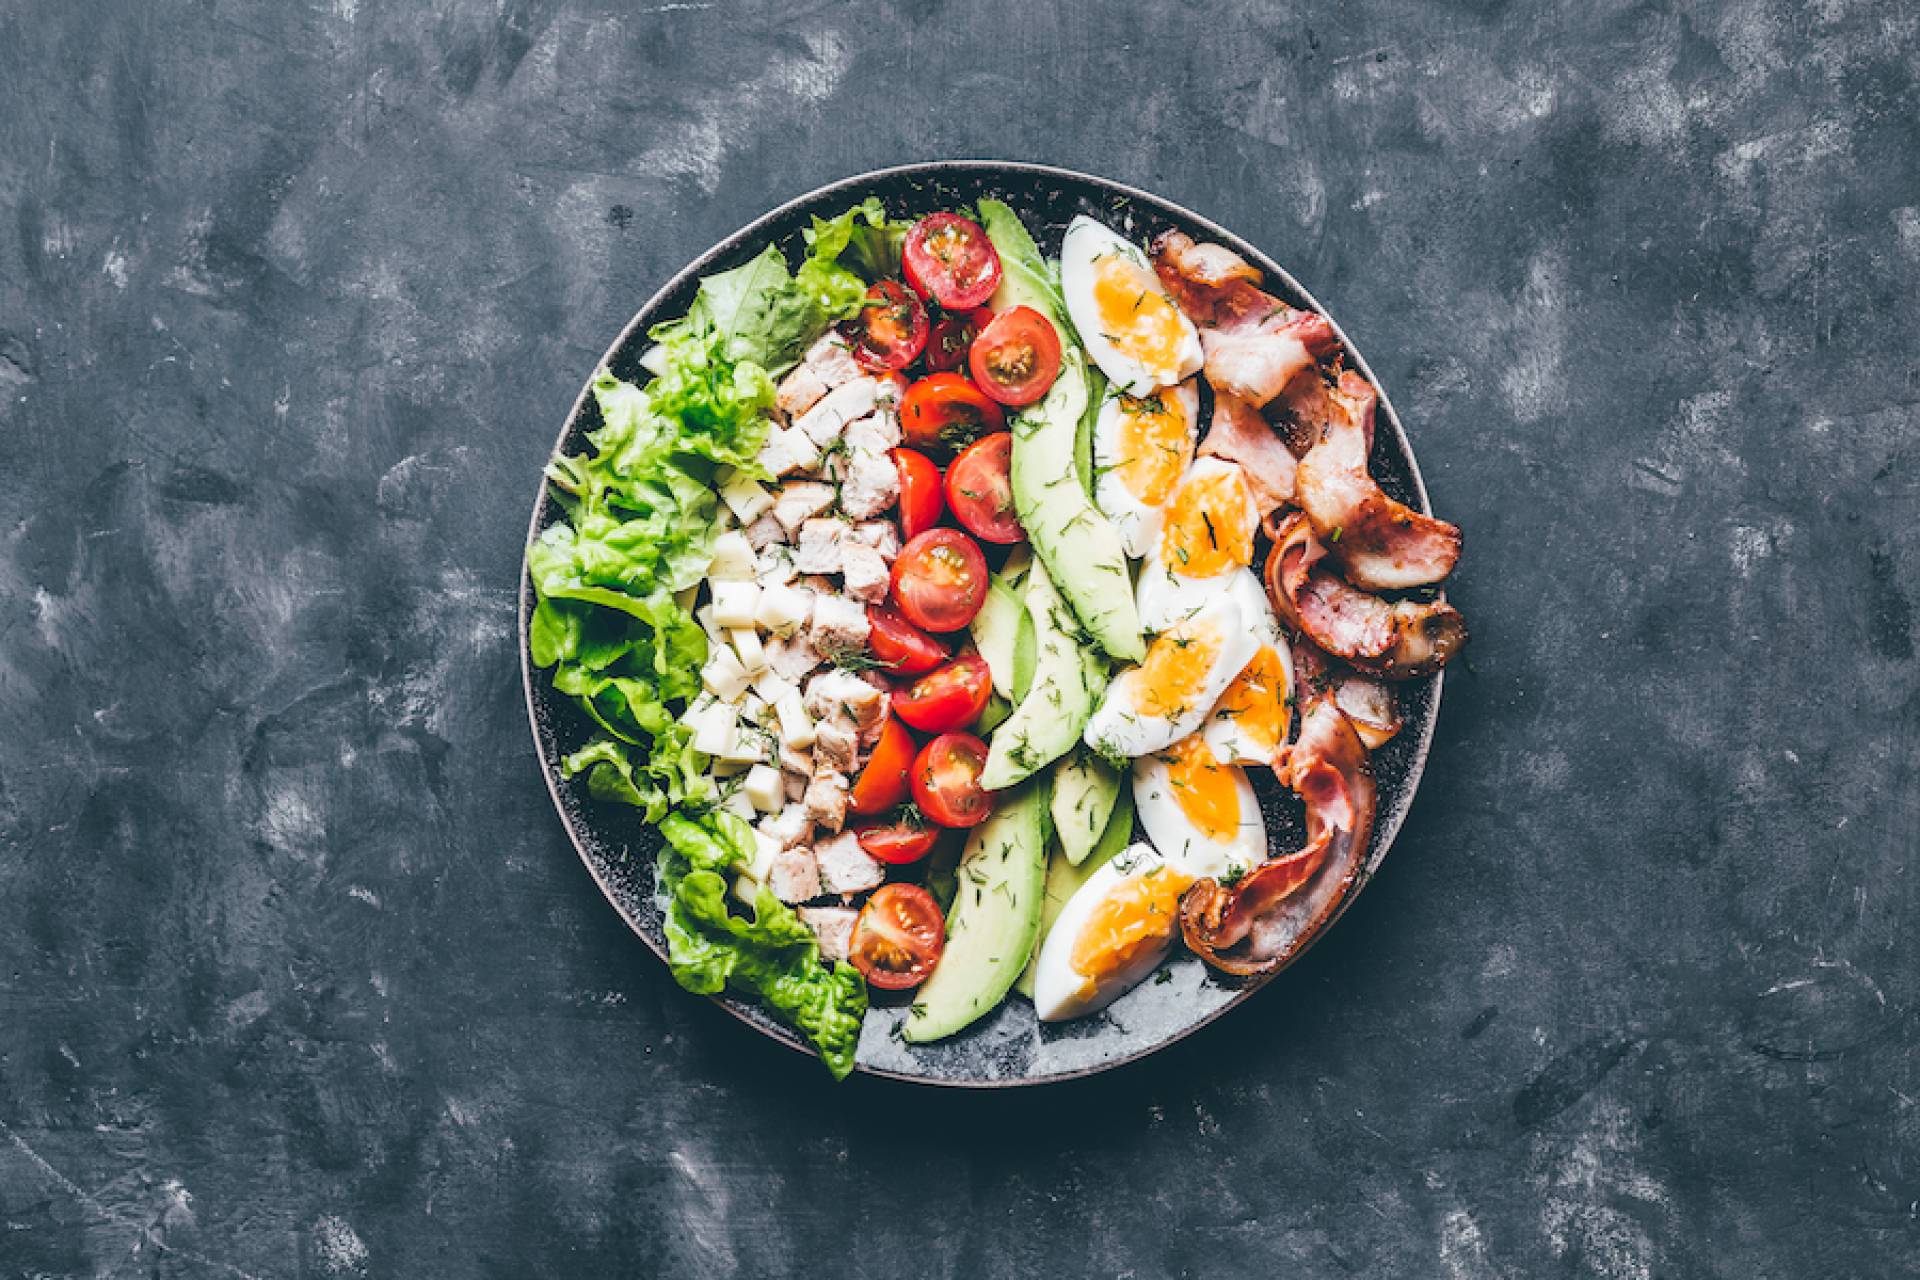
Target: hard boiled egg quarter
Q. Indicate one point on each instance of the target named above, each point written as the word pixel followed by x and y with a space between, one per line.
pixel 1187 667
pixel 1131 328
pixel 1199 811
pixel 1250 722
pixel 1141 448
pixel 1207 530
pixel 1110 935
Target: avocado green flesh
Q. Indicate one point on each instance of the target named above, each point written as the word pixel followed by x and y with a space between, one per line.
pixel 1083 437
pixel 1085 788
pixel 1064 879
pixel 993 921
pixel 1078 545
pixel 1067 678
pixel 1027 279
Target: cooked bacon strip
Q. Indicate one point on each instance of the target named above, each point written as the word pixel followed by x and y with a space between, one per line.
pixel 1239 434
pixel 1267 910
pixel 1368 701
pixel 1255 343
pixel 1381 544
pixel 1398 641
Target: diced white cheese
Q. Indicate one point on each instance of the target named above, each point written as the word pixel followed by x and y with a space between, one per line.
pixel 749 746
pixel 745 890
pixel 723 676
pixel 739 806
pixel 783 608
pixel 704 616
pixel 764 789
pixel 726 768
pixel 746 497
pixel 796 726
pixel 753 654
pixel 733 558
pixel 765 849
pixel 715 731
pixel 772 687
pixel 754 707
pixel 734 603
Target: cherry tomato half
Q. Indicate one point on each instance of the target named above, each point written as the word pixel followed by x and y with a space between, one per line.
pixel 1017 357
pixel 898 937
pixel 951 698
pixel 891 330
pixel 943 411
pixel 920 506
pixel 883 783
pixel 949 259
pixel 980 490
pixel 940 580
pixel 952 336
pixel 901 648
pixel 946 780
pixel 898 843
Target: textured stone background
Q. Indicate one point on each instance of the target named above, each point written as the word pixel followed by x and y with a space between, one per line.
pixel 297 973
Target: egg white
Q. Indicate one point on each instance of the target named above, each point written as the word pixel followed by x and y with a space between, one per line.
pixel 1119 728
pixel 1139 522
pixel 1180 842
pixel 1057 986
pixel 1085 242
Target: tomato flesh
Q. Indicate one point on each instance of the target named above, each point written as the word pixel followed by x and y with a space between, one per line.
pixel 951 698
pixel 891 330
pixel 945 413
pixel 980 490
pixel 898 937
pixel 940 580
pixel 898 843
pixel 883 783
pixel 901 648
pixel 950 259
pixel 946 780
pixel 1016 358
pixel 920 504
pixel 952 337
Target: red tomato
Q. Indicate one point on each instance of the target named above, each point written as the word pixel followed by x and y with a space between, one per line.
pixel 980 490
pixel 951 698
pixel 883 783
pixel 891 330
pixel 949 259
pixel 946 780
pixel 902 648
pixel 898 843
pixel 946 412
pixel 952 335
pixel 940 580
pixel 1017 357
pixel 898 937
pixel 920 507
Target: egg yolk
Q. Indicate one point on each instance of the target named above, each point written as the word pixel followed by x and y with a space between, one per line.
pixel 1209 527
pixel 1155 445
pixel 1135 316
pixel 1204 788
pixel 1168 682
pixel 1137 915
pixel 1257 700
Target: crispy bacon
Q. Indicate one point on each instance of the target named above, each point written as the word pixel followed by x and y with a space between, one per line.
pixel 1380 544
pixel 1255 343
pixel 1368 701
pixel 1239 434
pixel 1267 910
pixel 1398 641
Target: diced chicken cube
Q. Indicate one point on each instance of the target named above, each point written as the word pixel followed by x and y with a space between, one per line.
pixel 799 502
pixel 838 625
pixel 800 390
pixel 844 867
pixel 820 546
pixel 795 759
pixel 875 433
pixel 787 828
pixel 847 403
pixel 845 696
pixel 795 875
pixel 836 744
pixel 882 535
pixel 788 450
pixel 826 799
pixel 864 571
pixel 796 784
pixel 832 359
pixel 775 564
pixel 872 485
pixel 833 464
pixel 766 532
pixel 792 657
pixel 832 927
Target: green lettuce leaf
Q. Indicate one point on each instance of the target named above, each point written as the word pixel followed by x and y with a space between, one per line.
pixel 863 239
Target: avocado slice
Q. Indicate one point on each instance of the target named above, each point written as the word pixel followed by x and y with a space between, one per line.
pixel 1067 678
pixel 993 921
pixel 1003 633
pixel 1078 545
pixel 1064 878
pixel 1026 278
pixel 1084 790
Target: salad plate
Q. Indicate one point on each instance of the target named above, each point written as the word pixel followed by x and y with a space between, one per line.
pixel 1309 567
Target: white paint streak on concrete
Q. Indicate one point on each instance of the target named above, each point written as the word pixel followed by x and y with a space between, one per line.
pixel 1534 381
pixel 337 1247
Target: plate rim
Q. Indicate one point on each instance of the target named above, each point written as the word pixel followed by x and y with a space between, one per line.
pixel 1384 834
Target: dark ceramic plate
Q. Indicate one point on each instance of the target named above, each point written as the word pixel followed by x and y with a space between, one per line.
pixel 1008 1047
